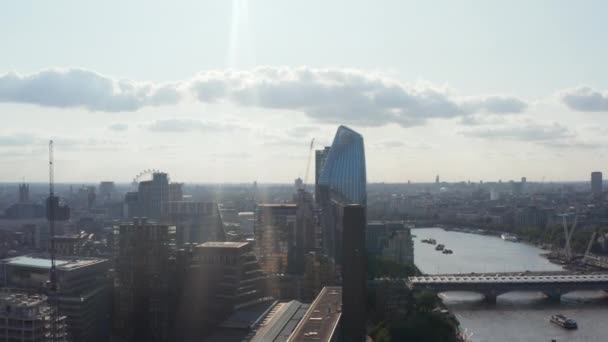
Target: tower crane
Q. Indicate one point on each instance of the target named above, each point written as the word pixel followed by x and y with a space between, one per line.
pixel 52 205
pixel 312 146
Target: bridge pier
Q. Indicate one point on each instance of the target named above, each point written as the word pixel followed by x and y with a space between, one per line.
pixel 490 298
pixel 554 296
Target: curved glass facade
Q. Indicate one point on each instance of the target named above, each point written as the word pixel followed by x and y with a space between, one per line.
pixel 344 169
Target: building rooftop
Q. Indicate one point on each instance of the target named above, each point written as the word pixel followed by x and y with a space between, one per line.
pixel 278 325
pixel 320 321
pixel 62 263
pixel 14 298
pixel 219 244
pixel 269 321
pixel 278 205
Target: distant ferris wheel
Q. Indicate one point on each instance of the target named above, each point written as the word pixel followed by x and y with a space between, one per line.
pixel 143 174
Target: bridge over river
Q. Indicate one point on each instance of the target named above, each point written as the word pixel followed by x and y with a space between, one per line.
pixel 552 284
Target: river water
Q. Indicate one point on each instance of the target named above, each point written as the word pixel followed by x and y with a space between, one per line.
pixel 517 316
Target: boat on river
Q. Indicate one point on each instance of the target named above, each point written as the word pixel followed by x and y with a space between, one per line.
pixel 509 237
pixel 564 322
pixel 447 251
pixel 429 241
pixel 439 247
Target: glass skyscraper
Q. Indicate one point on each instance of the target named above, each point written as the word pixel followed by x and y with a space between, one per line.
pixel 342 182
pixel 343 172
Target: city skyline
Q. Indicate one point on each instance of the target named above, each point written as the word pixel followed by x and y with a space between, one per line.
pixel 243 95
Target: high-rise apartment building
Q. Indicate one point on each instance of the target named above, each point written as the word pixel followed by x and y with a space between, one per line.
pixel 596 183
pixel 82 294
pixel 342 181
pixel 354 274
pixel 275 237
pixel 141 308
pixel 27 317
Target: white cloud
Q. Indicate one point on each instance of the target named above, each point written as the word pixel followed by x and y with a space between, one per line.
pixel 585 99
pixel 533 132
pixel 343 95
pixel 497 104
pixel 326 95
pixel 17 139
pixel 118 127
pixel 75 87
pixel 188 125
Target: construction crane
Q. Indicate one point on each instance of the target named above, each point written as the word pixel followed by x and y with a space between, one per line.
pixel 312 146
pixel 52 205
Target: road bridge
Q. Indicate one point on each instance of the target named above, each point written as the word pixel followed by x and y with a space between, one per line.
pixel 493 285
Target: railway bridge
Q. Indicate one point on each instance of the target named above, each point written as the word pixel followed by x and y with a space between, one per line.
pixel 493 285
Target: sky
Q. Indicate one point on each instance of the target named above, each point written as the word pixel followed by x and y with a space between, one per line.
pixel 234 90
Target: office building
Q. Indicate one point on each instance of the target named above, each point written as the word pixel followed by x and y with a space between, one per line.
pixel 389 240
pixel 399 246
pixel 354 274
pixel 176 192
pixel 275 240
pixel 376 235
pixel 149 198
pixel 82 294
pixel 141 308
pixel 306 227
pixel 152 194
pixel 106 191
pixel 27 317
pixel 195 222
pixel 224 278
pixel 130 205
pixel 596 183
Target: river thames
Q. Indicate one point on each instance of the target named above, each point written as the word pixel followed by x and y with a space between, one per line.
pixel 517 316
